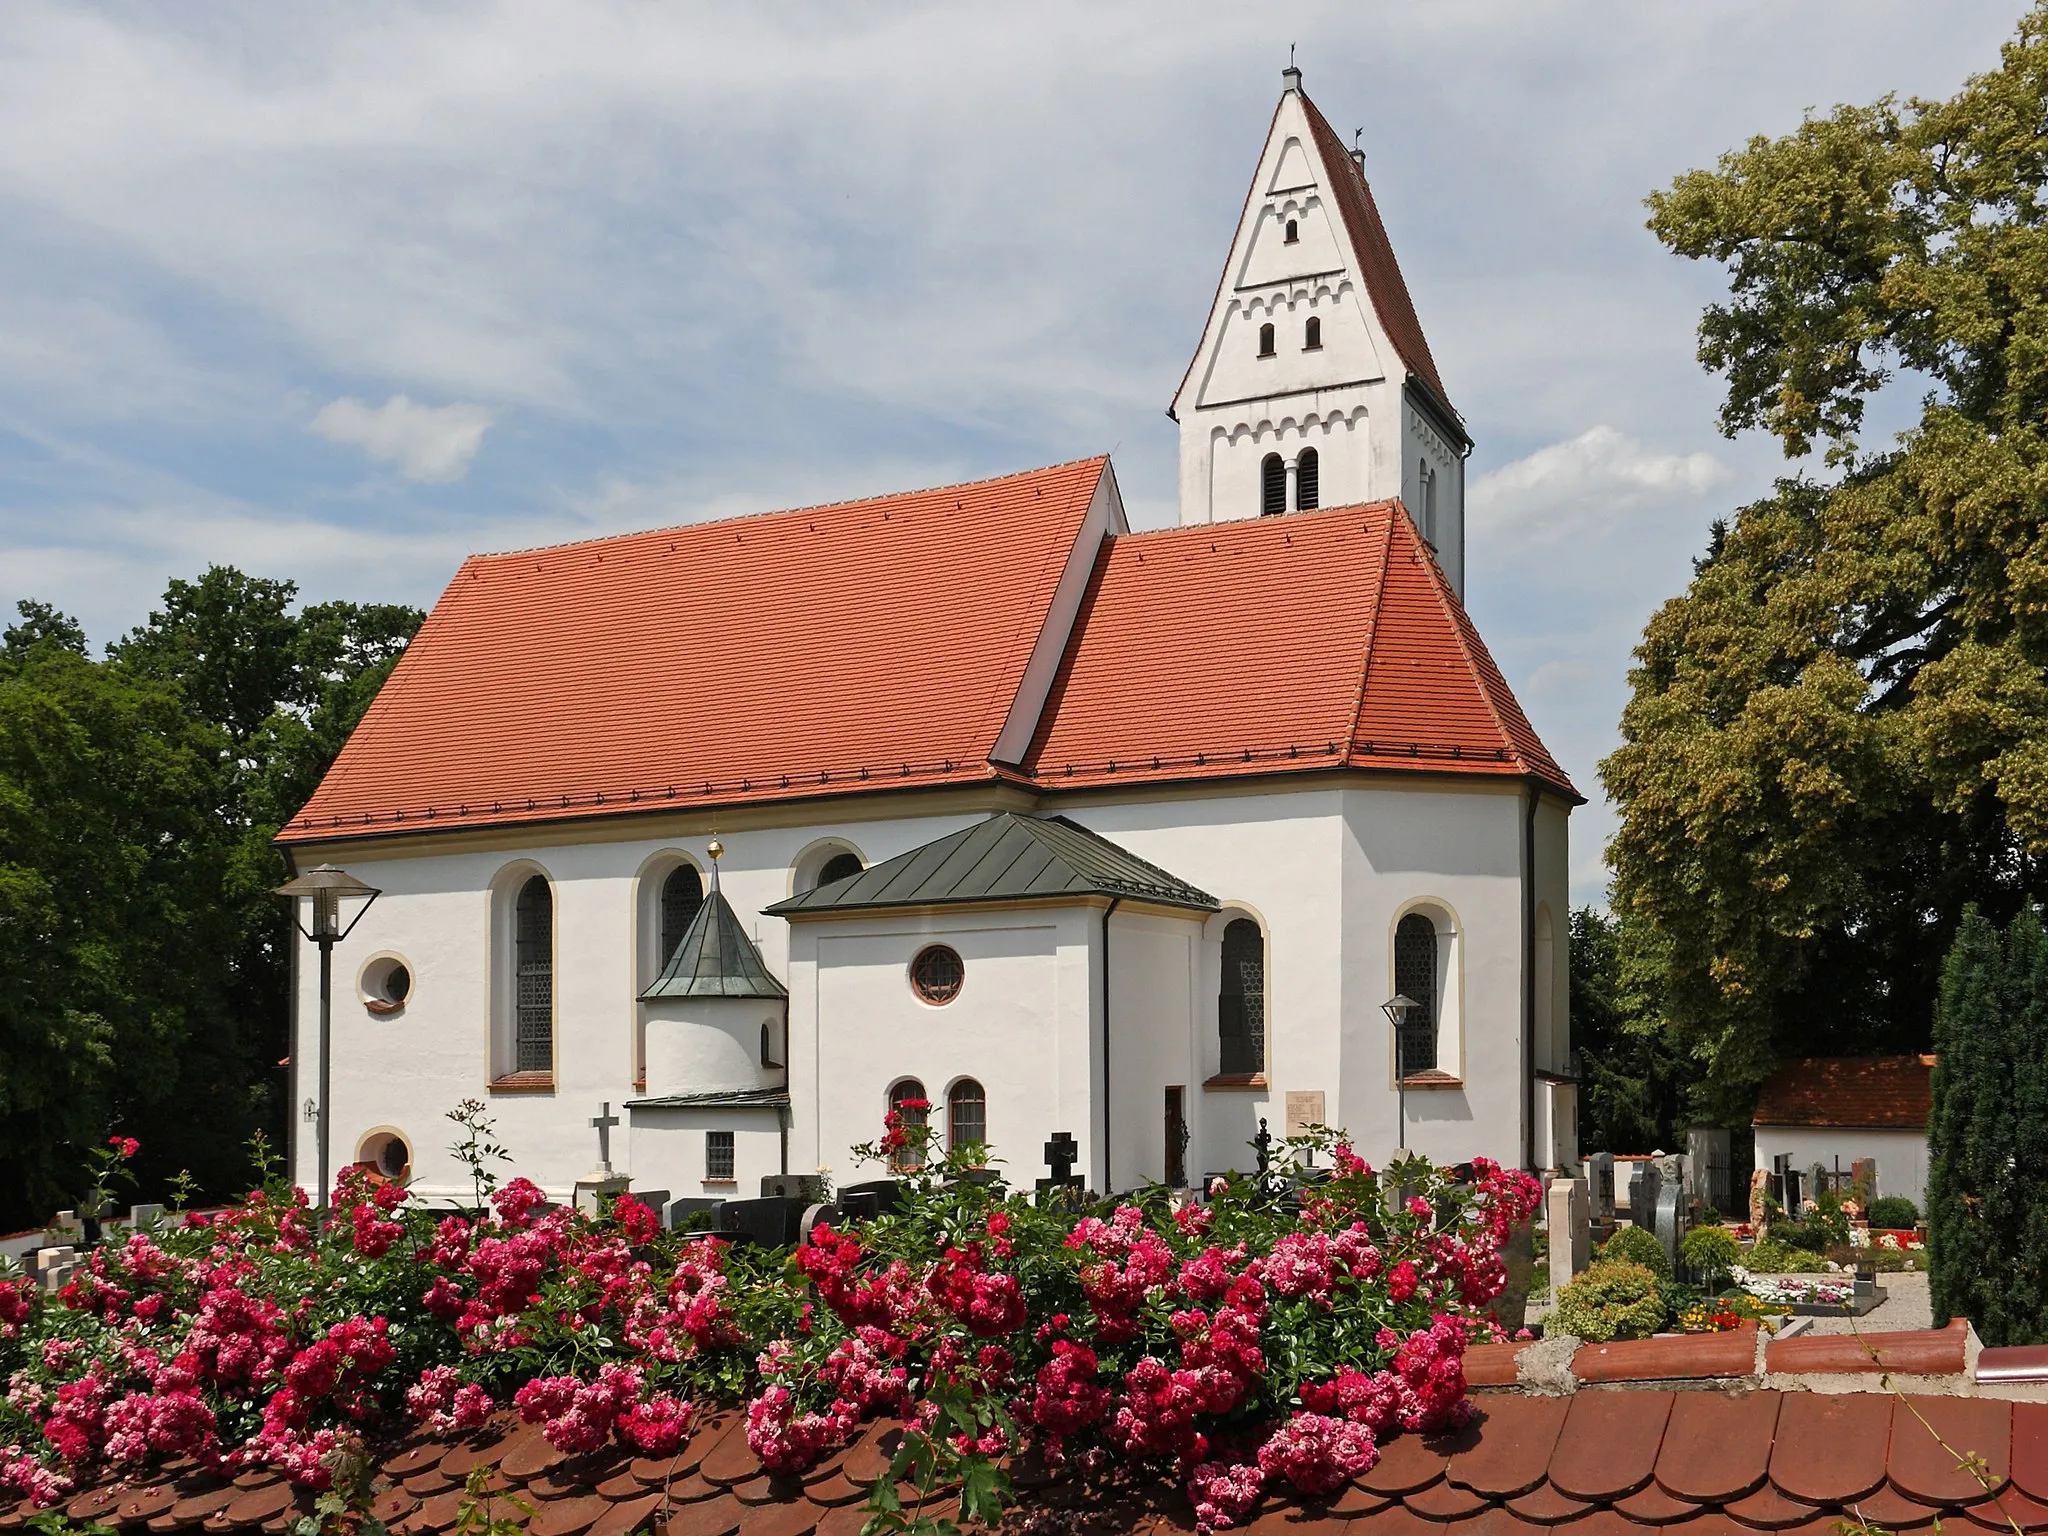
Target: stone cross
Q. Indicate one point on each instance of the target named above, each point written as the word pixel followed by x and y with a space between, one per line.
pixel 1060 1155
pixel 603 1123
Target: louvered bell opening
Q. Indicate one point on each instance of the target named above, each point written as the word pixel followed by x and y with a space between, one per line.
pixel 1272 486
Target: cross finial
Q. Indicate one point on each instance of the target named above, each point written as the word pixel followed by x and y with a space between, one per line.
pixel 602 1123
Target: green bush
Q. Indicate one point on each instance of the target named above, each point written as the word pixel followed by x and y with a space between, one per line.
pixel 1638 1245
pixel 1773 1257
pixel 1613 1299
pixel 1710 1250
pixel 1894 1211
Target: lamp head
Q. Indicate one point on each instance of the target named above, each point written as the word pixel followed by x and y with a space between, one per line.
pixel 1398 1007
pixel 327 884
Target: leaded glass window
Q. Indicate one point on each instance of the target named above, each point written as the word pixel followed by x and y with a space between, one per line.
pixel 1415 968
pixel 682 893
pixel 966 1115
pixel 534 979
pixel 1241 1003
pixel 839 866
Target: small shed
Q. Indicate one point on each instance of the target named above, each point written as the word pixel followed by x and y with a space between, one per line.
pixel 1834 1110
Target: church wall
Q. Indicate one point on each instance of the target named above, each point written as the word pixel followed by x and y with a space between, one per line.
pixel 702 1044
pixel 1022 1027
pixel 1454 854
pixel 666 1150
pixel 1154 970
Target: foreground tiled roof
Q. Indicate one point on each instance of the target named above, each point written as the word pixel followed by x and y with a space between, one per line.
pixel 1866 1092
pixel 1601 1462
pixel 1320 639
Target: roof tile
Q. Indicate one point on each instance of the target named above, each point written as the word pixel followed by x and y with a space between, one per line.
pixel 1921 1464
pixel 706 1517
pixel 1831 1449
pixel 1717 1448
pixel 1512 1452
pixel 1407 1465
pixel 2030 1449
pixel 1546 1506
pixel 1674 1357
pixel 1609 1444
pixel 1651 1505
pixel 1893 1511
pixel 1923 1352
pixel 2003 1512
pixel 1768 1510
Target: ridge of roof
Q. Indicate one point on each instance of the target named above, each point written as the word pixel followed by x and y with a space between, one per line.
pixel 1005 857
pixel 715 958
pixel 769 514
pixel 1374 252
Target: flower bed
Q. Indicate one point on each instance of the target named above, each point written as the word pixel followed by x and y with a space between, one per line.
pixel 1268 1335
pixel 1795 1290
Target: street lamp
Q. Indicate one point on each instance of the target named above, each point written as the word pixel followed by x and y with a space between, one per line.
pixel 326 885
pixel 1397 1008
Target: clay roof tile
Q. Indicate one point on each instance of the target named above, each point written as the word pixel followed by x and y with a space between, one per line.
pixel 1831 1449
pixel 1608 1447
pixel 1866 1092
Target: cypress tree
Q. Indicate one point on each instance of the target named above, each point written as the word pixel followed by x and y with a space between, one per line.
pixel 1987 1219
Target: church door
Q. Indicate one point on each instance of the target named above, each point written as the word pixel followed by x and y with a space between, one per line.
pixel 1176 1139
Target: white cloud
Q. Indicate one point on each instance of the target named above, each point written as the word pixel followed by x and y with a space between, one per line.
pixel 426 442
pixel 1586 484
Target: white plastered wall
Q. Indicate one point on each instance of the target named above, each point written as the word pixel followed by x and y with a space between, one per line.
pixel 667 1149
pixel 1901 1155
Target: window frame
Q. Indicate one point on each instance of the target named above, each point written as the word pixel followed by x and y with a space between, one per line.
pixel 665 942
pixel 1308 480
pixel 502 1071
pixel 1254 1011
pixel 1272 485
pixel 1266 339
pixel 721 1146
pixel 1447 1070
pixel 1312 334
pixel 894 1097
pixel 1290 233
pixel 954 1100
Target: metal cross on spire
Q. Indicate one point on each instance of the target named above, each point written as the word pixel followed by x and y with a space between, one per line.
pixel 603 1123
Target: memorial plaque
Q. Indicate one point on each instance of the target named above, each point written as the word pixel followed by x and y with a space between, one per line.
pixel 1305 1109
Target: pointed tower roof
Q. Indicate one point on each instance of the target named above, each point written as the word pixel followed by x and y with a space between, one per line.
pixel 1352 193
pixel 715 959
pixel 1341 175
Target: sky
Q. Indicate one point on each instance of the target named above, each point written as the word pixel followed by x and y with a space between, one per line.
pixel 344 294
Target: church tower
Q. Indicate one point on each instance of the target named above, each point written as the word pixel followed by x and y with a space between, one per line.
pixel 1313 385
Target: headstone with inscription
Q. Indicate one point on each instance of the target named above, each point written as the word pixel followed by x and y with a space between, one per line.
pixel 1600 1186
pixel 1644 1181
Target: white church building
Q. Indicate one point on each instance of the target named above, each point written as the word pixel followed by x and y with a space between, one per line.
pixel 746 829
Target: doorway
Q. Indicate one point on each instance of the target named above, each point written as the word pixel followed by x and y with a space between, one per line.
pixel 1176 1138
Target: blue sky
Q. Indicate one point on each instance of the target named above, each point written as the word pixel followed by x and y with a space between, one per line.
pixel 342 295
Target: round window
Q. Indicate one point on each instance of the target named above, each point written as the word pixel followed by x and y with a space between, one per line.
pixel 386 983
pixel 936 974
pixel 388 1154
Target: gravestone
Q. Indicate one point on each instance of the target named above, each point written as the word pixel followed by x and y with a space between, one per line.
pixel 1708 1166
pixel 67 1224
pixel 677 1214
pixel 1817 1183
pixel 1062 1183
pixel 794 1186
pixel 877 1197
pixel 818 1215
pixel 1759 1192
pixel 601 1183
pixel 772 1221
pixel 1863 1175
pixel 656 1200
pixel 1671 1206
pixel 141 1217
pixel 1644 1181
pixel 1600 1186
pixel 1571 1238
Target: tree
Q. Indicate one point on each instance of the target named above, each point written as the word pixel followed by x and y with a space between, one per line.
pixel 144 964
pixel 1987 1210
pixel 1629 1074
pixel 1838 735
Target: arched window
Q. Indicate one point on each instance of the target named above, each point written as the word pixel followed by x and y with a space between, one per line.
pixel 1415 966
pixel 1308 477
pixel 914 1111
pixel 1266 339
pixel 682 893
pixel 1312 334
pixel 768 1046
pixel 1241 1001
pixel 1293 231
pixel 1429 505
pixel 1272 485
pixel 966 1115
pixel 839 867
pixel 533 1038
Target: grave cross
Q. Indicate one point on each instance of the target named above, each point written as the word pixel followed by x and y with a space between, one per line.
pixel 1060 1155
pixel 603 1123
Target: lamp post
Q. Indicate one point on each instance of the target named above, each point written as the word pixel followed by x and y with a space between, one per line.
pixel 1397 1008
pixel 326 884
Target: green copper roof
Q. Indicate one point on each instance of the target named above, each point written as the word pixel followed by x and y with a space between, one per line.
pixel 1005 858
pixel 715 959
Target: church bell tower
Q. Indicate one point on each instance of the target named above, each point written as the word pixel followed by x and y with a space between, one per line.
pixel 1313 385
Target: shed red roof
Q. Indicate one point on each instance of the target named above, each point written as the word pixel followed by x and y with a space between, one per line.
pixel 1866 1092
pixel 884 644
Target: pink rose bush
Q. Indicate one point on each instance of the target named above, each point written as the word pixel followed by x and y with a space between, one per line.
pixel 1274 1337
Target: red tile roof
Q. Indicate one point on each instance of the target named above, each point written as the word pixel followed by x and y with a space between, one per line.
pixel 787 654
pixel 882 644
pixel 1381 273
pixel 1606 1461
pixel 1866 1092
pixel 1319 640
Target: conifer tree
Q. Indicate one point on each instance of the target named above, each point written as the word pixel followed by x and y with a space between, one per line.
pixel 1987 1218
